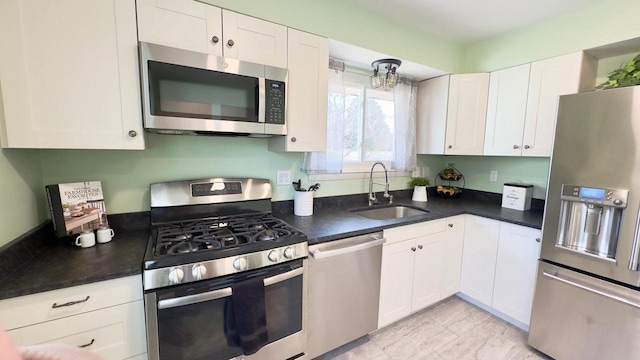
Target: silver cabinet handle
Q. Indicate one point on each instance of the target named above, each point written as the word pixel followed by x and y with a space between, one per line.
pixel 194 299
pixel 293 139
pixel 635 249
pixel 133 133
pixel 515 146
pixel 88 344
pixel 450 146
pixel 215 39
pixel 450 225
pixel 420 247
pixel 554 275
pixel 537 239
pixel 230 43
pixel 70 303
pixel 527 147
pixel 413 248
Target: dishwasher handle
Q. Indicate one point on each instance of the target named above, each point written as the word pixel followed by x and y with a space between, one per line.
pixel 316 253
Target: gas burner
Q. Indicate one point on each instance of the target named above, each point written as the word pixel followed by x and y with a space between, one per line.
pixel 267 235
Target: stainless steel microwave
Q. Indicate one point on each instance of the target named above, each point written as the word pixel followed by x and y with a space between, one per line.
pixel 186 92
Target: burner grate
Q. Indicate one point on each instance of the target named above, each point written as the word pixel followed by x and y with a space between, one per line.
pixel 219 233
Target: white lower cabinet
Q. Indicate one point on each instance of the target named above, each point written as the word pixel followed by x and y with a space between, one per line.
pixel 499 267
pixel 516 269
pixel 479 258
pixel 106 318
pixel 420 266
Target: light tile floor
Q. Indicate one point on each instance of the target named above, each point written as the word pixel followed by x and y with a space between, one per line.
pixel 451 330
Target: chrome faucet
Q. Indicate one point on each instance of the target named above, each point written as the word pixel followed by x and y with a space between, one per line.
pixel 372 195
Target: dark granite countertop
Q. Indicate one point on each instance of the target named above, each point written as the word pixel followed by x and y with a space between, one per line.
pixel 38 261
pixel 41 262
pixel 332 218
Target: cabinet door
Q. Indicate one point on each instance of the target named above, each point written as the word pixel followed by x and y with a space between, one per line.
pixel 451 259
pixel 549 79
pixel 431 111
pixel 427 270
pixel 479 258
pixel 69 74
pixel 184 24
pixel 506 110
pixel 117 332
pixel 254 40
pixel 306 94
pixel 466 114
pixel 396 282
pixel 516 268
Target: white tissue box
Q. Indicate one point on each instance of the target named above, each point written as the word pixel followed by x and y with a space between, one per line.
pixel 517 196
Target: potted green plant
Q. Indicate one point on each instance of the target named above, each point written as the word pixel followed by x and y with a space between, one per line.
pixel 627 75
pixel 419 185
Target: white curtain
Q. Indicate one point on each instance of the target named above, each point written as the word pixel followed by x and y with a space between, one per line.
pixel 331 160
pixel 404 98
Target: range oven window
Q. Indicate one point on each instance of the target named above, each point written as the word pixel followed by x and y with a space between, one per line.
pixel 199 330
pixel 181 91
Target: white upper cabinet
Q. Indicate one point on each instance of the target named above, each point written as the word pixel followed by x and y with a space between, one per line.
pixel 204 28
pixel 466 114
pixel 251 39
pixel 431 109
pixel 69 75
pixel 184 24
pixel 306 94
pixel 506 111
pixel 550 78
pixel 522 106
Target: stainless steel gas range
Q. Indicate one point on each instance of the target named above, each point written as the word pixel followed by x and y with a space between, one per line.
pixel 223 278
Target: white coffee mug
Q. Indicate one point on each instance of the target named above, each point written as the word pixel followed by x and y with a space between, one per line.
pixel 86 239
pixel 105 234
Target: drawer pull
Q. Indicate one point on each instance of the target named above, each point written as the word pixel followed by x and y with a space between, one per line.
pixel 55 305
pixel 89 344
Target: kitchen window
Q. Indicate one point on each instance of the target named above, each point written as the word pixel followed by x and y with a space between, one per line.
pixel 366 125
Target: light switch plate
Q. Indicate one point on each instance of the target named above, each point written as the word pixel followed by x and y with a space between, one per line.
pixel 283 177
pixel 494 176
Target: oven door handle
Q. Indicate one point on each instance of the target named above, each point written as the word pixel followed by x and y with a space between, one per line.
pixel 284 276
pixel 194 299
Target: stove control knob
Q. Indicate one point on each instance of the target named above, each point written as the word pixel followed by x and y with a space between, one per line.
pixel 240 263
pixel 175 275
pixel 273 256
pixel 198 271
pixel 289 253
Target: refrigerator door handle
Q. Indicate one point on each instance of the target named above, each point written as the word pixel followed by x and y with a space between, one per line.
pixel 554 275
pixel 635 249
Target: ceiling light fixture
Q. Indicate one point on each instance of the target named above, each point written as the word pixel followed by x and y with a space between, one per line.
pixel 390 79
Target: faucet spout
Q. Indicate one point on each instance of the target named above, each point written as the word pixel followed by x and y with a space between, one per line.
pixel 372 195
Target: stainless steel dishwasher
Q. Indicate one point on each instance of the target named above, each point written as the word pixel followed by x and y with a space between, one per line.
pixel 344 291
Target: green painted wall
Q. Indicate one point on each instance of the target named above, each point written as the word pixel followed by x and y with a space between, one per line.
pixel 22 200
pixel 601 24
pixel 126 175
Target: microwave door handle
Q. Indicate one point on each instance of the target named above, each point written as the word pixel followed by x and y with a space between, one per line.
pixel 635 249
pixel 261 99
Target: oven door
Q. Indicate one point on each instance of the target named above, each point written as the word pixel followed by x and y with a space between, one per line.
pixel 187 322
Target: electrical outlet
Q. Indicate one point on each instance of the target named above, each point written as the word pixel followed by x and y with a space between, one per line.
pixel 494 176
pixel 283 177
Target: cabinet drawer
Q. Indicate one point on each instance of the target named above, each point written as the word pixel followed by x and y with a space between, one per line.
pixel 414 230
pixel 33 309
pixel 116 332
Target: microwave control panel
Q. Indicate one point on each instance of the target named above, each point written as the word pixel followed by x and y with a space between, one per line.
pixel 275 99
pixel 593 195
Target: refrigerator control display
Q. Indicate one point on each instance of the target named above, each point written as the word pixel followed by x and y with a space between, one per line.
pixel 592 193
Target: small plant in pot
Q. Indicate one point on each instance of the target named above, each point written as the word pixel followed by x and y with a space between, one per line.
pixel 419 185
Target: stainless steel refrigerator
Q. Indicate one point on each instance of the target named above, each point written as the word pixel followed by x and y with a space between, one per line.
pixel 587 298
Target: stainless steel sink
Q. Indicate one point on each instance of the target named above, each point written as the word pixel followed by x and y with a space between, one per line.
pixel 389 212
